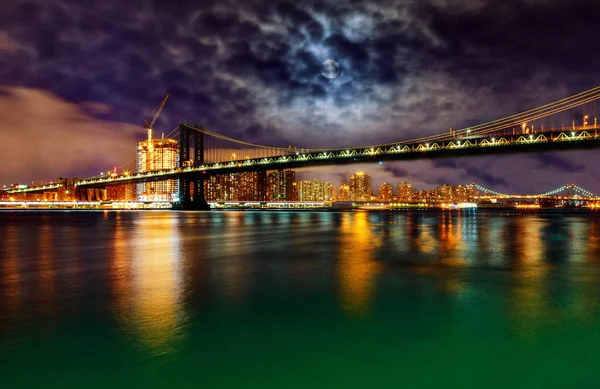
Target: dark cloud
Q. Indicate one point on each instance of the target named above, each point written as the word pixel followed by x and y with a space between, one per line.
pixel 397 171
pixel 558 163
pixel 252 70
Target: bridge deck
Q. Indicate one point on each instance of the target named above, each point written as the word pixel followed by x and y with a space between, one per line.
pixel 581 138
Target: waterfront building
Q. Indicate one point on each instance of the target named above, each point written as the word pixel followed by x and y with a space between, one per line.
pixel 343 192
pixel 314 191
pixel 405 192
pixel 222 187
pixel 157 154
pixel 332 192
pixel 456 194
pixel 251 186
pixel 386 192
pixel 281 186
pixel 360 187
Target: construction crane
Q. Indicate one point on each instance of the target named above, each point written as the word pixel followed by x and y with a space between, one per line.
pixel 157 111
pixel 148 126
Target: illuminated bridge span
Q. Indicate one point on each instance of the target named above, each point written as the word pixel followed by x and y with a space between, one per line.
pixel 204 153
pixel 565 192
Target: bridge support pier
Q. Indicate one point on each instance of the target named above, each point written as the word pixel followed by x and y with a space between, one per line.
pixel 189 202
pixel 197 202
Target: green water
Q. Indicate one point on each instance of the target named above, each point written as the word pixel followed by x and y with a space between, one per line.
pixel 299 300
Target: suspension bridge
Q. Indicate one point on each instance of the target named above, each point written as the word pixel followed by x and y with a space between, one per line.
pixel 565 192
pixel 204 153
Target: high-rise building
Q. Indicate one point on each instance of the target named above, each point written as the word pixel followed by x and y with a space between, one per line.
pixel 456 194
pixel 386 192
pixel 252 186
pixel 360 187
pixel 157 154
pixel 343 192
pixel 314 190
pixel 222 187
pixel 248 186
pixel 445 193
pixel 332 193
pixel 405 192
pixel 281 186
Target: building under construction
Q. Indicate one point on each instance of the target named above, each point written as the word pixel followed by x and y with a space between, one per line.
pixel 157 154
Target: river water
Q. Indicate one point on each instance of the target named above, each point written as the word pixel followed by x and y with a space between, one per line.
pixel 471 299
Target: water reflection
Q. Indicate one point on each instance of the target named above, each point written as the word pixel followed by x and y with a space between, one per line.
pixel 11 278
pixel 231 259
pixel 159 271
pixel 46 262
pixel 451 240
pixel 152 309
pixel 356 266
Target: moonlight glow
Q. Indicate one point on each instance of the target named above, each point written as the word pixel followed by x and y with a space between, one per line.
pixel 331 69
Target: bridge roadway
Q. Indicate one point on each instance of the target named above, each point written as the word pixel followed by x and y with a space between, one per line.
pixel 538 197
pixel 563 140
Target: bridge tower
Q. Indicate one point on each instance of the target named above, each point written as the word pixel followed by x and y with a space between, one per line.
pixel 189 137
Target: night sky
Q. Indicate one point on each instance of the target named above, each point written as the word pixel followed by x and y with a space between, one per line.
pixel 77 79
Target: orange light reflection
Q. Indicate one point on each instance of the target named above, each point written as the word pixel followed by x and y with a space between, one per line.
pixel 356 266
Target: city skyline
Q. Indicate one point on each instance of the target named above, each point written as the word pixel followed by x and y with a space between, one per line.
pixel 406 70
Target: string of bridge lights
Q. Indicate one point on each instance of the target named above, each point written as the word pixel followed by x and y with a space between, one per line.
pixel 519 119
pixel 584 192
pixel 565 187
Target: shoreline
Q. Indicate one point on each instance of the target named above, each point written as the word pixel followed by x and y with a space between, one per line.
pixel 311 209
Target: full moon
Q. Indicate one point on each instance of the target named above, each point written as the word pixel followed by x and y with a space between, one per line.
pixel 330 69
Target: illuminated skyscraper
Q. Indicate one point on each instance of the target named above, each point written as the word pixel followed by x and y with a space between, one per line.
pixel 281 186
pixel 332 192
pixel 386 192
pixel 222 187
pixel 360 187
pixel 405 192
pixel 445 193
pixel 252 186
pixel 157 154
pixel 314 191
pixel 343 192
pixel 248 186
